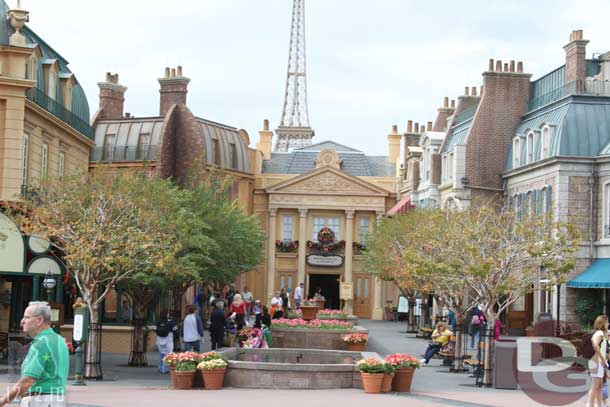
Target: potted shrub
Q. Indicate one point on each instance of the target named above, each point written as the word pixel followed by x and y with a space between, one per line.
pixel 171 360
pixel 371 371
pixel 309 308
pixel 185 370
pixel 405 366
pixel 213 368
pixel 388 376
pixel 356 342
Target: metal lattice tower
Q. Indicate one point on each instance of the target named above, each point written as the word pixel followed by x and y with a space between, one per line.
pixel 294 130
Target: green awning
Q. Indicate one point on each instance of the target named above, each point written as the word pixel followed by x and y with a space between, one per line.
pixel 597 275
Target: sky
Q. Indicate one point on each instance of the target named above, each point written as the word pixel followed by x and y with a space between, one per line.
pixel 370 64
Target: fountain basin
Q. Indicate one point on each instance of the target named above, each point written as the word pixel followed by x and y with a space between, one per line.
pixel 312 338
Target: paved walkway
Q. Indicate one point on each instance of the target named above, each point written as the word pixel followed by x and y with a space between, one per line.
pixel 433 385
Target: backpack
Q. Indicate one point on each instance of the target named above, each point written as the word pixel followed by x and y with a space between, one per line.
pixel 163 328
pixel 475 320
pixel 586 347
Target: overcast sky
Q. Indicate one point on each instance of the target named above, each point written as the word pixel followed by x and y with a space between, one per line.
pixel 370 64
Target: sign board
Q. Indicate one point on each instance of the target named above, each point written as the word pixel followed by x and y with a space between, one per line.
pixel 12 247
pixel 324 261
pixel 38 245
pixel 403 305
pixel 346 291
pixel 77 334
pixel 43 265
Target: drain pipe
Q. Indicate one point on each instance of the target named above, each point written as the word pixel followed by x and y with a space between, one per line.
pixel 592 180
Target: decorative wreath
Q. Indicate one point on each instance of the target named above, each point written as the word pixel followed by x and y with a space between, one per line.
pixel 326 235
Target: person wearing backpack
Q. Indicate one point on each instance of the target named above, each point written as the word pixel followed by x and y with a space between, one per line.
pixel 598 360
pixel 476 325
pixel 165 328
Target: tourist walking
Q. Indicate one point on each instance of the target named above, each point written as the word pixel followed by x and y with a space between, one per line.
pixel 192 330
pixel 285 301
pixel 165 328
pixel 247 297
pixel 238 306
pixel 440 338
pixel 298 295
pixel 218 323
pixel 477 324
pixel 263 318
pixel 598 360
pixel 276 306
pixel 44 372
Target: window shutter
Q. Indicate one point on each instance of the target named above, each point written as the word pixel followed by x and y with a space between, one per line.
pixel 547 208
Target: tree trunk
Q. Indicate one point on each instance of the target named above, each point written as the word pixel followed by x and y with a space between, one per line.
pixel 93 364
pixel 424 315
pixel 137 356
pixel 458 360
pixel 489 351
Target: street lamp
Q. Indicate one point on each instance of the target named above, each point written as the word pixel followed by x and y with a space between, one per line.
pixel 49 283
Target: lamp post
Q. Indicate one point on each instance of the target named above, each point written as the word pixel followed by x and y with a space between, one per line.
pixel 49 283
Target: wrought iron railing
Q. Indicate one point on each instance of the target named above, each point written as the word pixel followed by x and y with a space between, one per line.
pixel 56 108
pixel 123 153
pixel 577 87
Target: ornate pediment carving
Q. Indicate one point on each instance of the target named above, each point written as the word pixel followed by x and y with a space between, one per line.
pixel 328 182
pixel 328 157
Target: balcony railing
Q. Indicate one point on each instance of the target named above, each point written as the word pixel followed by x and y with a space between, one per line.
pixel 577 87
pixel 52 106
pixel 123 153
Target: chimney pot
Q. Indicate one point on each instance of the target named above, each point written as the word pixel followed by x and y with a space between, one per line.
pixel 498 66
pixel 127 115
pixel 473 92
pixel 481 90
pixel 416 127
pixel 505 66
pixel 520 67
pixel 490 68
pixel 429 128
pixel 179 70
pixel 422 128
pixel 394 129
pixel 453 103
pixel 166 72
pixel 173 74
pixel 108 76
pixel 266 125
pixel 409 126
pixel 446 102
pixel 466 90
pixel 512 66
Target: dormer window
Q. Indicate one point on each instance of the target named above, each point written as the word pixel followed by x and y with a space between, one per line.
pixel 516 152
pixel 52 87
pixel 31 68
pixel 529 157
pixel 546 142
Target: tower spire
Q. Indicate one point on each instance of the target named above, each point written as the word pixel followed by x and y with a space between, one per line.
pixel 294 130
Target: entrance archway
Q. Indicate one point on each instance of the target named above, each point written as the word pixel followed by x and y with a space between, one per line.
pixel 329 284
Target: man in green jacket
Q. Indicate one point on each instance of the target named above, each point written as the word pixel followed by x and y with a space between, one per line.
pixel 44 371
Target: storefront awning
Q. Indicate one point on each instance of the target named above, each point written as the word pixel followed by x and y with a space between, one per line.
pixel 597 275
pixel 401 207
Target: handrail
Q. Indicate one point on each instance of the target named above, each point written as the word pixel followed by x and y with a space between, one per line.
pixel 577 87
pixel 123 153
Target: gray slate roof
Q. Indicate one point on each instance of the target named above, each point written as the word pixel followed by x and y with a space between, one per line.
pixel 302 160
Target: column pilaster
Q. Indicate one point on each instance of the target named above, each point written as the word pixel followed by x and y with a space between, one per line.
pixel 349 256
pixel 271 253
pixel 302 252
pixel 377 301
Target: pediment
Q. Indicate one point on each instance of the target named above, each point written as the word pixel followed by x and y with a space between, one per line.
pixel 327 181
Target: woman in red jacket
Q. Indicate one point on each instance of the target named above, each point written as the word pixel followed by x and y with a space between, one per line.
pixel 238 306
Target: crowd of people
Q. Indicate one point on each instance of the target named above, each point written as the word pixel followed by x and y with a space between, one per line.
pixel 223 313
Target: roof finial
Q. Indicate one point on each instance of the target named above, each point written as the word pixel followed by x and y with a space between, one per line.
pixel 17 17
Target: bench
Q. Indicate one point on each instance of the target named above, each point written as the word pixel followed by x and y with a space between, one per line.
pixel 425 333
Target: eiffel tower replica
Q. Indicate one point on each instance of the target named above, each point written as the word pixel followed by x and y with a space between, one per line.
pixel 294 130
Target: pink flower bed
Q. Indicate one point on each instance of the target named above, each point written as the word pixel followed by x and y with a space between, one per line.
pixel 313 324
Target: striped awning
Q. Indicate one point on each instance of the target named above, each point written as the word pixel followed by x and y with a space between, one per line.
pixel 401 207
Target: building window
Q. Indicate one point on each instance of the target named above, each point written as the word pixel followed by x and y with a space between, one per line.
pixel 607 211
pixel 143 143
pixel 68 96
pixel 331 223
pixel 445 169
pixel 530 148
pixel 52 85
pixel 516 152
pixel 216 151
pixel 450 172
pixel 109 147
pixel 427 164
pixel 546 142
pixel 44 160
pixel 233 150
pixel 363 230
pixel 287 229
pixel 24 159
pixel 61 164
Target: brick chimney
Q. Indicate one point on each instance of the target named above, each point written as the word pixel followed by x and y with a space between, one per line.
pixel 173 89
pixel 504 101
pixel 112 97
pixel 576 64
pixel 440 124
pixel 265 140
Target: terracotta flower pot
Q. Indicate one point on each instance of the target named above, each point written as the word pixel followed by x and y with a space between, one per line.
pixel 309 312
pixel 184 380
pixel 371 382
pixel 386 385
pixel 356 346
pixel 403 379
pixel 172 377
pixel 321 304
pixel 213 379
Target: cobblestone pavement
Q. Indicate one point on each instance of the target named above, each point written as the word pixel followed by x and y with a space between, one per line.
pixel 433 385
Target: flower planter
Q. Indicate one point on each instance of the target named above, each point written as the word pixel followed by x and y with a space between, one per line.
pixel 386 385
pixel 403 379
pixel 356 346
pixel 530 332
pixel 172 375
pixel 309 312
pixel 184 380
pixel 321 304
pixel 213 379
pixel 371 382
